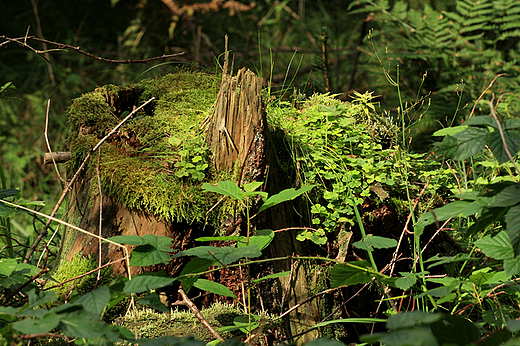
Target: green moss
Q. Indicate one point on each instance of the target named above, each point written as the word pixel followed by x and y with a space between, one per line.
pixel 77 266
pixel 157 161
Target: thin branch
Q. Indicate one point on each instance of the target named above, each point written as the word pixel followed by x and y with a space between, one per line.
pixel 62 46
pixel 47 140
pixel 504 144
pixel 197 313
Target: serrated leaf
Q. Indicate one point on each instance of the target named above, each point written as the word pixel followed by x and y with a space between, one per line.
pixel 481 120
pixel 195 265
pixel 214 287
pixel 37 325
pixel 273 276
pixel 496 145
pixel 512 266
pixel 7 266
pixel 226 188
pixel 498 247
pixel 96 300
pixel 154 301
pixel 346 275
pixel 406 281
pixel 222 255
pixel 509 196
pixel 283 196
pixel 464 144
pixel 143 282
pixel 262 239
pixel 513 227
pixel 147 255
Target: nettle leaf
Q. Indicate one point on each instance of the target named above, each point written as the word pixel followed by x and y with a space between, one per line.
pixel 346 275
pixel 464 144
pixel 222 255
pixel 509 196
pixel 214 287
pixel 143 282
pixel 498 247
pixel 496 145
pixel 226 188
pixel 147 255
pixel 96 300
pixel 195 265
pixel 453 209
pixel 407 280
pixel 261 239
pixel 375 242
pixel 283 196
pixel 513 227
pixel 44 325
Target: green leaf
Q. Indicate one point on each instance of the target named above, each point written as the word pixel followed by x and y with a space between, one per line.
pixel 407 280
pixel 96 300
pixel 450 210
pixel 8 193
pixel 513 227
pixel 350 320
pixel 226 188
pixel 375 242
pixel 512 266
pixel 170 341
pixel 252 186
pixel 273 276
pixel 496 145
pixel 147 255
pixel 222 255
pixel 410 319
pixel 143 282
pixel 346 275
pixel 449 131
pixel 82 324
pixel 36 325
pixel 481 120
pixel 455 330
pixel 498 247
pixel 283 196
pixel 464 144
pixel 7 266
pixel 154 301
pixel 262 239
pixel 214 287
pixel 128 239
pixel 509 196
pixel 222 238
pixel 448 259
pixel 195 265
pixel 487 217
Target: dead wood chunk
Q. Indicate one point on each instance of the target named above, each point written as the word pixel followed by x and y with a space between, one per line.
pixel 59 157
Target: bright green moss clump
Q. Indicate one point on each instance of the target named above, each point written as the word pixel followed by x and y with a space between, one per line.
pixel 156 161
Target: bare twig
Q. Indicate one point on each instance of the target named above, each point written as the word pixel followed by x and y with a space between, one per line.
pixel 504 144
pixel 61 46
pixel 483 93
pixel 47 139
pixel 197 313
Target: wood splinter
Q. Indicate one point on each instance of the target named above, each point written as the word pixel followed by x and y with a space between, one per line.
pixel 58 156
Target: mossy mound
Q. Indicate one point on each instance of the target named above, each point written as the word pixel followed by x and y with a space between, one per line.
pixel 156 161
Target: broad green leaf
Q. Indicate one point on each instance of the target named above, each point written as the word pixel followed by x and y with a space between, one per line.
pixel 407 280
pixel 195 265
pixel 346 275
pixel 410 319
pixel 40 298
pixel 509 196
pixel 154 301
pixel 453 209
pixel 455 330
pixel 513 326
pixel 159 242
pixel 226 188
pixel 222 255
pixel 495 143
pixel 143 282
pixel 261 239
pixel 128 239
pixel 487 217
pixel 513 227
pixel 96 300
pixel 147 255
pixel 416 336
pixel 498 247
pixel 8 193
pixel 283 196
pixel 464 144
pixel 83 325
pixel 449 131
pixel 448 259
pixel 222 238
pixel 252 186
pixel 214 287
pixel 510 124
pixel 7 266
pixel 37 325
pixel 273 276
pixel 350 320
pixel 512 266
pixel 481 120
pixel 375 242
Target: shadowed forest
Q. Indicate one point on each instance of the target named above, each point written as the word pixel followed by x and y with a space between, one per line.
pixel 264 172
